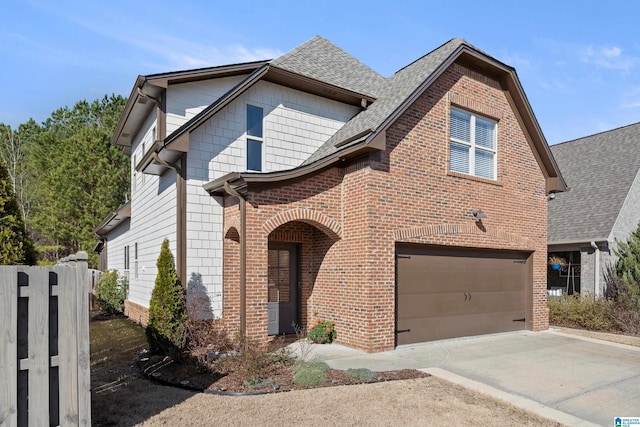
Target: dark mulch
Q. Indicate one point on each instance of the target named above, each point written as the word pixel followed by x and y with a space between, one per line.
pixel 188 374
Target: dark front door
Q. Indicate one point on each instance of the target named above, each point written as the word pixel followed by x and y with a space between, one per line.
pixel 283 288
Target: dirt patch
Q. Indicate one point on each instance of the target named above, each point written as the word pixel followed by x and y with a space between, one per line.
pixel 187 374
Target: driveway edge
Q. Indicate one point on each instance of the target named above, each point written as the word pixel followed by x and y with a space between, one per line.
pixel 593 340
pixel 522 402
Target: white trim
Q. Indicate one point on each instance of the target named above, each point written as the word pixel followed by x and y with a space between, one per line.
pixel 248 137
pixel 472 143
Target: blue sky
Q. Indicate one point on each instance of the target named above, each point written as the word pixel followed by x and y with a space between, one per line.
pixel 578 61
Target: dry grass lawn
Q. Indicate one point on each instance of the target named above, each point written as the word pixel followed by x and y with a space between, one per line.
pixel 122 397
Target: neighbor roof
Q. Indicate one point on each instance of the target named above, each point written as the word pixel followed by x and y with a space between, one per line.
pixel 599 169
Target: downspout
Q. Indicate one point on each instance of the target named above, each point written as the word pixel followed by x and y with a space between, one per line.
pixel 596 283
pixel 243 256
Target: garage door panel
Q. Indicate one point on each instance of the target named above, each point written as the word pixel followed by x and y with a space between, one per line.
pixel 454 304
pixel 452 292
pixel 443 327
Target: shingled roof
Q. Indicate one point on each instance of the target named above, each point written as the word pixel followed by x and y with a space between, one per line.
pixel 393 92
pixel 321 60
pixel 599 170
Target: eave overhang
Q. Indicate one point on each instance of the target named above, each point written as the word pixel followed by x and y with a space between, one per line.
pixel 113 220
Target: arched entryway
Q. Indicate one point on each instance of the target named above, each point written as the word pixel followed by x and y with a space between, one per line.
pixel 296 264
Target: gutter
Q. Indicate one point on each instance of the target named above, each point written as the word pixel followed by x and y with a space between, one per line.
pixel 596 282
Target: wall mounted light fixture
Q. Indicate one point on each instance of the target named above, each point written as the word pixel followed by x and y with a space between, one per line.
pixel 478 215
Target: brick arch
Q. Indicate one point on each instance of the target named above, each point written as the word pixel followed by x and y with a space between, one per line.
pixel 231 223
pixel 323 222
pixel 462 228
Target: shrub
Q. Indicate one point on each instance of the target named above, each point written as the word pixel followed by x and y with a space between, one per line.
pixel 167 308
pixel 576 311
pixel 363 374
pixel 204 336
pixel 254 362
pixel 323 332
pixel 111 292
pixel 624 306
pixel 310 374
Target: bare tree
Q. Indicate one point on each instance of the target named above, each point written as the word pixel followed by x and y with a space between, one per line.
pixel 13 153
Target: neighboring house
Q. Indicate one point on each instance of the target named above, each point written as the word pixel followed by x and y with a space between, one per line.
pixel 405 209
pixel 602 208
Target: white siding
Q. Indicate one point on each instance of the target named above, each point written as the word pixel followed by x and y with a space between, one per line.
pixel 295 125
pixel 185 100
pixel 116 241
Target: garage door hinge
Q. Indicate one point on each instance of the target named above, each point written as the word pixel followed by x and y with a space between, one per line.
pixel 520 261
pixel 519 320
pixel 403 256
pixel 401 331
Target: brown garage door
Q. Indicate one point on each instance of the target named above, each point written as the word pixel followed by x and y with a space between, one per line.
pixel 451 292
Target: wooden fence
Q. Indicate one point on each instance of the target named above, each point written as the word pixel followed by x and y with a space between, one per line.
pixel 44 345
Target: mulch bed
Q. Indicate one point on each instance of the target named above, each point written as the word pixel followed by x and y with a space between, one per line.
pixel 188 374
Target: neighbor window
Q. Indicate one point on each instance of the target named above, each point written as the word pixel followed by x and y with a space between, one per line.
pixel 135 260
pixel 254 138
pixel 472 145
pixel 126 262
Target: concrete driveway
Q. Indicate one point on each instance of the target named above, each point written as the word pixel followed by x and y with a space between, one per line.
pixel 573 380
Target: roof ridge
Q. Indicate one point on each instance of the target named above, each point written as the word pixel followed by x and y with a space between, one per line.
pixel 596 134
pixel 455 39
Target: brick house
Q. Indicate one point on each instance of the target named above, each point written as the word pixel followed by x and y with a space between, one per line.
pixel 405 209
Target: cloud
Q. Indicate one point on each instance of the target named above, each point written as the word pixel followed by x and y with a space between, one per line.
pixel 608 57
pixel 155 43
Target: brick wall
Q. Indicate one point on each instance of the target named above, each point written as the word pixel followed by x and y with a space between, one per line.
pixel 136 312
pixel 348 220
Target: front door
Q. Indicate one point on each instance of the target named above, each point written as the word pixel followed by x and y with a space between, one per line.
pixel 283 288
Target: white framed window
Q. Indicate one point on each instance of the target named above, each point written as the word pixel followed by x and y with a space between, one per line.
pixel 135 260
pixel 255 140
pixel 126 262
pixel 134 177
pixel 473 144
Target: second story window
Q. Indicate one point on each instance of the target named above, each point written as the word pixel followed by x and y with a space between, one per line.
pixel 472 144
pixel 254 138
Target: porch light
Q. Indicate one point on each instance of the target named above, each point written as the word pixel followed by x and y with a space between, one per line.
pixel 478 215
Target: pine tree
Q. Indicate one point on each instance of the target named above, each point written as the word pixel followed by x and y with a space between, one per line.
pixel 15 245
pixel 628 266
pixel 167 309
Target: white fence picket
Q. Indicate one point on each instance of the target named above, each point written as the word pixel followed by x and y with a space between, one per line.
pixel 38 361
pixel 83 288
pixel 67 345
pixel 9 347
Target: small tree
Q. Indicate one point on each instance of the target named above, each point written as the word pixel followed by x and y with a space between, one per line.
pixel 167 309
pixel 15 245
pixel 628 266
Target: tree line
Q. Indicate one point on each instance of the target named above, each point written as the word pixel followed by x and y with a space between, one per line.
pixel 65 176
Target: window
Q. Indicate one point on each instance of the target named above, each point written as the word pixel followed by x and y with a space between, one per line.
pixel 472 145
pixel 135 261
pixel 254 138
pixel 126 262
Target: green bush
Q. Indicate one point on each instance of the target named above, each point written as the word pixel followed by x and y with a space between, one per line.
pixel 111 292
pixel 363 374
pixel 318 366
pixel 309 375
pixel 167 308
pixel 323 332
pixel 576 311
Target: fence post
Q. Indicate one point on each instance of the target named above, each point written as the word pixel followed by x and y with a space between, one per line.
pixel 84 362
pixel 9 347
